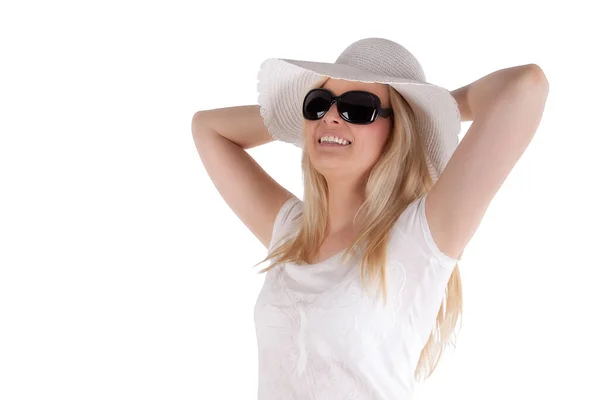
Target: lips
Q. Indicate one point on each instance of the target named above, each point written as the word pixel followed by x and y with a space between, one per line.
pixel 327 144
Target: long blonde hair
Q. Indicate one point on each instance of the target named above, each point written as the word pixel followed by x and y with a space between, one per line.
pixel 399 177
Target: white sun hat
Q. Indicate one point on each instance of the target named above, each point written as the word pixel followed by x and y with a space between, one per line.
pixel 283 84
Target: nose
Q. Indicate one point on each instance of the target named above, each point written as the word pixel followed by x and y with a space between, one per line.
pixel 332 115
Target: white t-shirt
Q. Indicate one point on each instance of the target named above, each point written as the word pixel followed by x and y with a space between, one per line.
pixel 321 337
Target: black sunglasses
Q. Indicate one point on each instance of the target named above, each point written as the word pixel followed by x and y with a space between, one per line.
pixel 356 106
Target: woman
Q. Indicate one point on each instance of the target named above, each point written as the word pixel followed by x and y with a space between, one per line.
pixel 390 201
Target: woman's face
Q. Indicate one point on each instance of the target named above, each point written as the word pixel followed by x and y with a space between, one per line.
pixel 367 141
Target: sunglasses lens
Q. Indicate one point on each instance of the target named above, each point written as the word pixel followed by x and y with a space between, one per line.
pixel 358 108
pixel 316 104
pixel 355 107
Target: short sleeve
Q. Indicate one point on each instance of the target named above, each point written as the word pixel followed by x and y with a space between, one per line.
pixel 288 213
pixel 414 227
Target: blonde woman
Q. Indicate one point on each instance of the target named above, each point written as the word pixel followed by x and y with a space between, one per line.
pixel 363 291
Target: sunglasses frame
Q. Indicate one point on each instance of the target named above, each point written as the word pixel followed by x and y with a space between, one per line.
pixel 383 112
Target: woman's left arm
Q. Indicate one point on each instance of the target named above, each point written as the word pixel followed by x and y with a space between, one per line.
pixel 506 107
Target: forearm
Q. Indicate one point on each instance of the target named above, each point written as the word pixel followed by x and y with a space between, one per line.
pixel 242 125
pixel 477 97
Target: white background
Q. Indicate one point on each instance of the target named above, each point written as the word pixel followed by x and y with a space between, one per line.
pixel 123 273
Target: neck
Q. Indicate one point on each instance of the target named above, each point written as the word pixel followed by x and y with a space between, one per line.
pixel 345 196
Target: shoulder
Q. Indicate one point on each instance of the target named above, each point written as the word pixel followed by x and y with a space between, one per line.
pixel 289 212
pixel 411 234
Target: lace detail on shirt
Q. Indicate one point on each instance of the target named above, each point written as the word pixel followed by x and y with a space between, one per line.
pixel 321 335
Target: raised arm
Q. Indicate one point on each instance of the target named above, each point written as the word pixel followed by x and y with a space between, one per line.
pixel 506 107
pixel 221 137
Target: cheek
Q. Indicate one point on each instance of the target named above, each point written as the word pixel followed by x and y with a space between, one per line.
pixel 382 139
pixel 377 139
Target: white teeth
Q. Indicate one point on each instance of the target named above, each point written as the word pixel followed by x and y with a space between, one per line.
pixel 332 139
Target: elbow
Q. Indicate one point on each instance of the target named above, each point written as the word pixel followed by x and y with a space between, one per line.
pixel 197 121
pixel 534 75
pixel 531 81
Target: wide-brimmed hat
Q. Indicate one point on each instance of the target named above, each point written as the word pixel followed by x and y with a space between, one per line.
pixel 283 84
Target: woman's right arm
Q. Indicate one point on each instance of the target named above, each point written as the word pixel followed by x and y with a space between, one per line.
pixel 221 137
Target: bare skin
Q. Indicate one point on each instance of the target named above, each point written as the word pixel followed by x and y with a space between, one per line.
pixel 346 169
